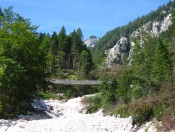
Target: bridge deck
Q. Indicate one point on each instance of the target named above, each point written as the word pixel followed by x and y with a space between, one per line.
pixel 75 82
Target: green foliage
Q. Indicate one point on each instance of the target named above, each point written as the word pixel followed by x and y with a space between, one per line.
pixel 69 93
pixel 47 95
pixel 121 111
pixel 66 52
pixel 113 36
pixel 139 81
pixel 74 91
pixel 93 103
pixel 108 92
pixel 151 65
pixel 140 111
pixel 124 83
pixel 158 110
pixel 162 62
pixel 136 92
pixel 23 64
pixel 85 63
pixel 104 99
pixel 149 69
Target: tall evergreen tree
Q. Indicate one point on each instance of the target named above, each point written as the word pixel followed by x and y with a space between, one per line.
pixel 54 51
pixel 63 48
pixel 148 52
pixel 162 62
pixel 137 59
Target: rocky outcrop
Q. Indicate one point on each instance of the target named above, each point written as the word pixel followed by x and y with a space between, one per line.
pixel 117 52
pixel 91 41
pixel 124 46
pixel 154 28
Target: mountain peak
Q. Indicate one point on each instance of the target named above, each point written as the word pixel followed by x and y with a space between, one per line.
pixel 91 41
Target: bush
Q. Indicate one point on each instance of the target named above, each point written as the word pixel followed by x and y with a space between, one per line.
pixel 158 110
pixel 93 103
pixel 136 92
pixel 69 93
pixel 140 111
pixel 47 95
pixel 122 111
pixel 108 92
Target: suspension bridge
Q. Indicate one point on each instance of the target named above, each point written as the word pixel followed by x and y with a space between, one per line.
pixel 75 82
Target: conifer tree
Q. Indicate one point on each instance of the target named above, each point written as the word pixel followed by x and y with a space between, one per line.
pixel 162 62
pixel 54 52
pixel 63 49
pixel 137 59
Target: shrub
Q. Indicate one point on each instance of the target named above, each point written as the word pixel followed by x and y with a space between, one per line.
pixel 158 110
pixel 94 103
pixel 139 111
pixel 136 92
pixel 121 110
pixel 47 95
pixel 69 93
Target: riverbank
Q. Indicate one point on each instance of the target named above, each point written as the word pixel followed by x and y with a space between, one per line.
pixel 60 116
pixel 70 116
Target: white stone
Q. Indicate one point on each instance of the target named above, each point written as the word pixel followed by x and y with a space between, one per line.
pixel 71 120
pixel 154 28
pixel 92 41
pixel 116 50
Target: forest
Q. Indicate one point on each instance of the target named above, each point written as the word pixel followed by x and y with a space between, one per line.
pixel 143 88
pixel 28 59
pixel 112 36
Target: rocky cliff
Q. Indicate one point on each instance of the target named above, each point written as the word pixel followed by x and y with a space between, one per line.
pixel 124 46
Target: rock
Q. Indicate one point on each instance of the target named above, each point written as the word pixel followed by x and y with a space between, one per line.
pixel 39 104
pixel 70 120
pixel 116 53
pixel 3 128
pixel 125 45
pixel 91 41
pixel 130 120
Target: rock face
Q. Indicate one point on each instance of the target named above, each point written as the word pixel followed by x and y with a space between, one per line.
pixel 116 53
pixel 154 28
pixel 124 46
pixel 91 41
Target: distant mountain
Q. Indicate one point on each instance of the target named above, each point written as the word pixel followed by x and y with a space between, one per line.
pixel 117 44
pixel 91 41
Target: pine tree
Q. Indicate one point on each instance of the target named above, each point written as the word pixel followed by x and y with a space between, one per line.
pixel 148 53
pixel 45 44
pixel 54 51
pixel 162 62
pixel 63 47
pixel 137 59
pixel 85 63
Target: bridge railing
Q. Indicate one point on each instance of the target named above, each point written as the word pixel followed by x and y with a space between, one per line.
pixel 75 82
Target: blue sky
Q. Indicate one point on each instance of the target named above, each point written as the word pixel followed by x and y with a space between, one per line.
pixel 94 17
